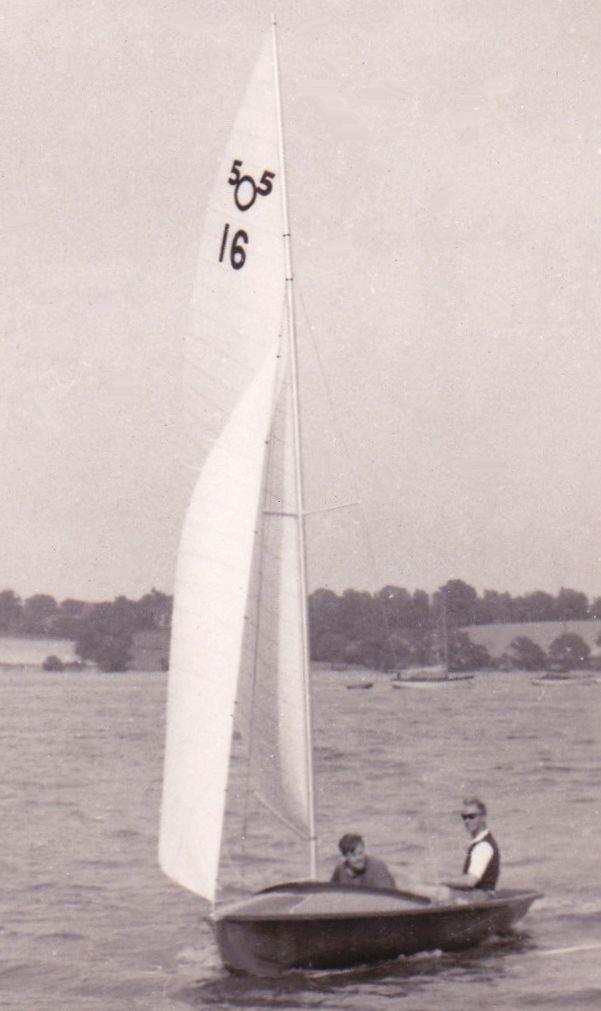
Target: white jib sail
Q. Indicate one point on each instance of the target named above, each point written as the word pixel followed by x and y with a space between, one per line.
pixel 273 685
pixel 224 635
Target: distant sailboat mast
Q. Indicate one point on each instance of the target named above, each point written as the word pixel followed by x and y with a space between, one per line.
pixel 445 631
pixel 300 513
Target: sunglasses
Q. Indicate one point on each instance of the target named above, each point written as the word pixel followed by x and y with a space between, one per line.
pixel 468 817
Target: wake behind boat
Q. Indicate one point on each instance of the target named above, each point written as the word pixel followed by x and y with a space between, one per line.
pixel 239 661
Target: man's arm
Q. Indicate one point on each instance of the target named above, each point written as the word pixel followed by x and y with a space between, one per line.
pixel 336 878
pixel 379 875
pixel 481 856
pixel 463 881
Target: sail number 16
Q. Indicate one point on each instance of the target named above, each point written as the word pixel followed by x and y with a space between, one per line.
pixel 237 251
pixel 246 191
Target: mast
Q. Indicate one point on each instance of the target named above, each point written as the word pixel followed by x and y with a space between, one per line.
pixel 300 513
pixel 445 631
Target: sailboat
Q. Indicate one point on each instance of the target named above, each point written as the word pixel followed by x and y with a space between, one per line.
pixel 438 675
pixel 239 662
pixel 430 677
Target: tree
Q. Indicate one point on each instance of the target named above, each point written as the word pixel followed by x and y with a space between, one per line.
pixel 53 663
pixel 328 646
pixel 466 655
pixel 399 654
pixel 595 611
pixel 326 638
pixel 154 610
pixel 361 616
pixel 10 611
pixel 38 613
pixel 420 610
pixel 420 633
pixel 460 601
pixel 539 606
pixel 526 654
pixel 397 606
pixel 569 650
pixel 369 651
pixel 106 635
pixel 493 608
pixel 571 605
pixel 67 618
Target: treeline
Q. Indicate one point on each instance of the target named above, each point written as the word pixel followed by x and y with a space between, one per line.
pixel 568 651
pixel 389 630
pixel 103 633
pixel 393 629
pixel 42 615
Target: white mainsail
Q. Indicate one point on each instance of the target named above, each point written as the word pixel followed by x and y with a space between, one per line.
pixel 239 290
pixel 239 632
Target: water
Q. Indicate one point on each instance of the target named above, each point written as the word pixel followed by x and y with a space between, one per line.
pixel 88 921
pixel 17 650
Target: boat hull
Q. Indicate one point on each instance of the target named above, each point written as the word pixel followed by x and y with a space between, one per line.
pixel 562 679
pixel 444 682
pixel 311 926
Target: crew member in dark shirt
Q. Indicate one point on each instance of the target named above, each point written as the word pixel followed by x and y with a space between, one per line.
pixel 357 868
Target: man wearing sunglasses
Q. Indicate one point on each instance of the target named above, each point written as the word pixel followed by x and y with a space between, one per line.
pixel 483 860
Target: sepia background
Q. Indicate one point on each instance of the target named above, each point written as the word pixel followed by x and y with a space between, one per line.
pixel 443 163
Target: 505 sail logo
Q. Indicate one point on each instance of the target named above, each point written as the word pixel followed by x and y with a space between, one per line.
pixel 246 192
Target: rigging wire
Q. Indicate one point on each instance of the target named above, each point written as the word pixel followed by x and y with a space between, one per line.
pixel 354 483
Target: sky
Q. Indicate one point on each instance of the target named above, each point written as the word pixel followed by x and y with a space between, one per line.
pixel 443 173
